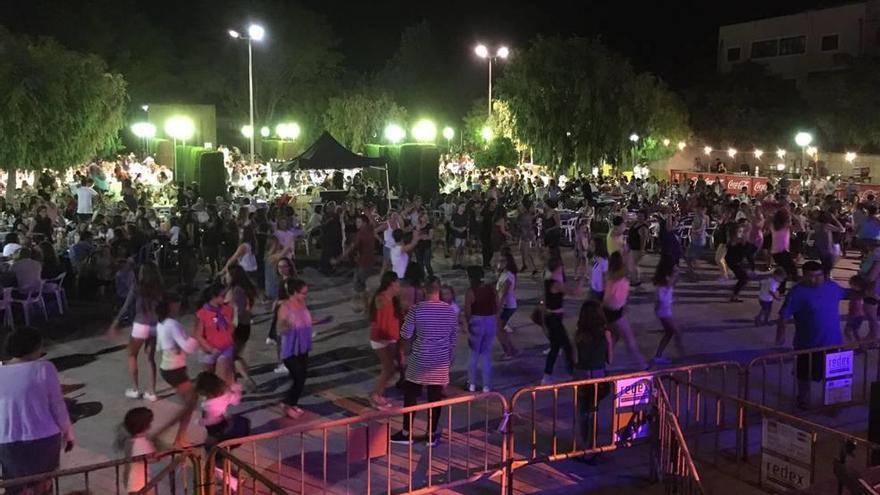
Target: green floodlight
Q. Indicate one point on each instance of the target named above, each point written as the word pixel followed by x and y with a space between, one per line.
pixel 144 130
pixel 180 127
pixel 487 133
pixel 394 133
pixel 803 139
pixel 288 130
pixel 448 133
pixel 264 131
pixel 424 131
pixel 247 131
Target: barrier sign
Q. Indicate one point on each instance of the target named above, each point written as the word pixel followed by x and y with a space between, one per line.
pixel 838 364
pixel 786 456
pixel 838 391
pixel 633 391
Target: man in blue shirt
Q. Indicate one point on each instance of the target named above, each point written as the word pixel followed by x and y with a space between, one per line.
pixel 814 304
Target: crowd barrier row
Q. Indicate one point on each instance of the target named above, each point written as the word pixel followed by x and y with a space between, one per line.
pixel 488 441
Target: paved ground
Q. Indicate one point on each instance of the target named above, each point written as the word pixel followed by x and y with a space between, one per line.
pixel 343 368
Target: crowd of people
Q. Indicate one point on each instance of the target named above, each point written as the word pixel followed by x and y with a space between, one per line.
pixel 583 238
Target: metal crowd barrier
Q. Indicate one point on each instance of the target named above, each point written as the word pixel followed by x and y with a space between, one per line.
pixel 673 462
pixel 110 477
pixel 751 445
pixel 846 377
pixel 232 484
pixel 355 455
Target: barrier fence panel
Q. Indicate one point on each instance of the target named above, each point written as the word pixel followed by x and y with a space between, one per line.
pixel 357 455
pixel 750 445
pixel 814 378
pixel 573 419
pixel 239 477
pixel 672 458
pixel 111 477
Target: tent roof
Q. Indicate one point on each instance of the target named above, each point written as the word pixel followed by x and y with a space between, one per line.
pixel 327 153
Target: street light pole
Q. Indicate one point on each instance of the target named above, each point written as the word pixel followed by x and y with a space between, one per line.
pixel 483 52
pixel 490 86
pixel 251 94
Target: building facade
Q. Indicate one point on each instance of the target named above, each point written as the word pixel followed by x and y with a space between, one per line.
pixel 795 46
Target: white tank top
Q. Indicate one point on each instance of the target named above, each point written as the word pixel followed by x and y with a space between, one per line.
pixel 388 235
pixel 248 261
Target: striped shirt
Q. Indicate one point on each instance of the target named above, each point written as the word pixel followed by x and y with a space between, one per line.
pixel 432 327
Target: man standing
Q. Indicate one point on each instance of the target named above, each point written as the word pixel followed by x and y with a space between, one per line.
pixel 429 329
pixel 85 194
pixel 365 245
pixel 814 304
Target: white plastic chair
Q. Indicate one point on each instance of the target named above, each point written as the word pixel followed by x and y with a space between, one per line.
pixel 6 307
pixel 33 297
pixel 568 227
pixel 55 287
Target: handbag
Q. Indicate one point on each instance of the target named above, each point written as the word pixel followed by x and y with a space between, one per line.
pixel 537 315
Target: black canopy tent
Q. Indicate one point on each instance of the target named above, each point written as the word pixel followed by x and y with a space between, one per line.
pixel 326 153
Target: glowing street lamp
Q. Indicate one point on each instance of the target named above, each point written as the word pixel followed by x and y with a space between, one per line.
pixel 758 154
pixel 255 32
pixel 635 139
pixel 424 131
pixel 780 153
pixel 181 128
pixel 681 145
pixel 803 139
pixel 707 150
pixel 486 133
pixel 483 52
pixel 264 131
pixel 247 131
pixel 666 142
pixel 731 152
pixel 812 151
pixel 448 133
pixel 394 133
pixel 144 130
pixel 850 156
pixel 289 130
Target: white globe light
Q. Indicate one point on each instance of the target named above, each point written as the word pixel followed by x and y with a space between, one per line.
pixel 234 34
pixel 503 52
pixel 758 153
pixel 780 167
pixel 264 131
pixel 289 130
pixel 634 137
pixel 143 130
pixel 707 150
pixel 850 156
pixel 247 131
pixel 481 51
pixel 394 133
pixel 780 153
pixel 803 139
pixel 666 142
pixel 731 152
pixel 180 127
pixel 681 145
pixel 448 133
pixel 487 133
pixel 256 32
pixel 424 130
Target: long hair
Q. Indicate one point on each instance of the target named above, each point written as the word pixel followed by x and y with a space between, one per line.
pixel 509 261
pixel 475 275
pixel 616 266
pixel 591 322
pixel 238 278
pixel 385 282
pixel 781 218
pixel 150 282
pixel 248 236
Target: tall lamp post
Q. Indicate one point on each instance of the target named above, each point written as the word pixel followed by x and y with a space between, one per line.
pixel 803 139
pixel 503 52
pixel 635 139
pixel 255 32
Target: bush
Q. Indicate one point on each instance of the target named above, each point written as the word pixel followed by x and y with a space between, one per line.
pixel 500 152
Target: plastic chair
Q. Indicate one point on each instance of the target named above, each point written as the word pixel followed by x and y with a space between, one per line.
pixel 55 287
pixel 568 227
pixel 32 297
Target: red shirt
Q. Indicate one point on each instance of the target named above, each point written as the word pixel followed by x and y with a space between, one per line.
pixel 365 244
pixel 217 333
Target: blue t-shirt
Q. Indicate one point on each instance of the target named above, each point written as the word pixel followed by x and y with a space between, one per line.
pixel 816 313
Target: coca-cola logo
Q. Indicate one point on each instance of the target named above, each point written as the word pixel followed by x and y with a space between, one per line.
pixel 760 186
pixel 737 184
pixel 866 192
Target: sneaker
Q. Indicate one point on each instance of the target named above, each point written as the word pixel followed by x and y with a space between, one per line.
pixel 472 388
pixel 486 389
pixel 148 396
pixel 270 341
pixel 401 438
pixel 133 394
pixel 280 370
pixel 508 328
pixel 293 412
pixel 545 351
pixel 433 439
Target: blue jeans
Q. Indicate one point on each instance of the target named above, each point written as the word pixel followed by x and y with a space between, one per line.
pixel 271 282
pixel 482 335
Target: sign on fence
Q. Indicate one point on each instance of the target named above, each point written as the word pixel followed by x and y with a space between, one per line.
pixel 786 456
pixel 633 396
pixel 838 377
pixel 633 391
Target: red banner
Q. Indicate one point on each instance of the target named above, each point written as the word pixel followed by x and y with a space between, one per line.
pixel 733 183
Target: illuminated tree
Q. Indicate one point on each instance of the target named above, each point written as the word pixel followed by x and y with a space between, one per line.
pixel 359 118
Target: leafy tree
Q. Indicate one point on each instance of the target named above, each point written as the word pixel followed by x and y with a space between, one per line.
pixel 499 152
pixel 577 103
pixel 747 108
pixel 360 117
pixel 502 123
pixel 59 107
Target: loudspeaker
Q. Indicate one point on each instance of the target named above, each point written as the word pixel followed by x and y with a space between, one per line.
pixel 212 176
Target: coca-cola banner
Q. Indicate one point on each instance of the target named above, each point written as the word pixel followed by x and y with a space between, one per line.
pixel 733 183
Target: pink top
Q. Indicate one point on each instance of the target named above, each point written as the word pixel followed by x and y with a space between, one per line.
pixel 781 240
pixel 616 293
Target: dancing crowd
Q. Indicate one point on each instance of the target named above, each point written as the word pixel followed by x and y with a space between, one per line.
pixel 583 238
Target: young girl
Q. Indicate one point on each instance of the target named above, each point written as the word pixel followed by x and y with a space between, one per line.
pixel 856 315
pixel 217 396
pixel 581 248
pixel 600 268
pixel 132 438
pixel 174 344
pixel 240 294
pixel 481 313
pixel 595 350
pixel 769 292
pixel 295 329
pixel 385 333
pixel 213 330
pixel 665 284
pixel 614 304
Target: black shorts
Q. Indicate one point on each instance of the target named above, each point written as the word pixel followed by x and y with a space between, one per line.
pixel 174 377
pixel 241 334
pixel 612 315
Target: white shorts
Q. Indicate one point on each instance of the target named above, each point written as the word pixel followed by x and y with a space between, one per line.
pixel 143 331
pixel 460 242
pixel 381 344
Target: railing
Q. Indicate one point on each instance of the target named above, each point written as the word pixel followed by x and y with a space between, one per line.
pixel 230 484
pixel 335 456
pixel 673 463
pixel 166 480
pixel 773 374
pixel 108 477
pixel 719 434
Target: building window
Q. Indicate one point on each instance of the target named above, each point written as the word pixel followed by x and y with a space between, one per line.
pixel 733 54
pixel 793 46
pixel 830 43
pixel 764 49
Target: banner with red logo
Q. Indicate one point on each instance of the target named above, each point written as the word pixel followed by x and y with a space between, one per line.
pixel 733 183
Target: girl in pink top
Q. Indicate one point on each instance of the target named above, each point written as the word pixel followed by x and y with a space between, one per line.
pixel 614 303
pixel 780 246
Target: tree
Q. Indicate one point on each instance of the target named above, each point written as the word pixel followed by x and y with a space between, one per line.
pixel 360 118
pixel 499 152
pixel 577 103
pixel 502 123
pixel 59 107
pixel 747 108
